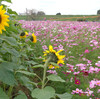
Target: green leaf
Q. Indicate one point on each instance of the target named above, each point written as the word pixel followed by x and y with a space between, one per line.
pixel 26 82
pixel 7 75
pixel 12 51
pixel 54 64
pixel 64 96
pixel 31 62
pixel 37 66
pixel 11 12
pixel 46 93
pixel 55 78
pixel 21 96
pixel 9 65
pixel 1 60
pixel 7 1
pixel 3 94
pixel 26 73
pixel 33 83
pixel 9 40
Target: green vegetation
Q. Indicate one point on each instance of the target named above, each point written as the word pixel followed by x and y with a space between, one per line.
pixel 60 17
pixel 49 59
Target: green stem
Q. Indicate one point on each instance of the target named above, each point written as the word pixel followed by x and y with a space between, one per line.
pixel 10 91
pixel 4 87
pixel 44 73
pixel 38 77
pixel 46 82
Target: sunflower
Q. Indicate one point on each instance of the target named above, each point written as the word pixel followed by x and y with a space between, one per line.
pixel 52 66
pixel 33 38
pixel 56 58
pixel 23 35
pixel 3 20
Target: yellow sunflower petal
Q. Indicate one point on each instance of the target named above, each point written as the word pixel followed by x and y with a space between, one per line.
pixel 56 67
pixel 61 56
pixel 26 33
pixel 23 36
pixel 46 51
pixel 5 16
pixel 0 31
pixel 59 51
pixel 50 48
pixel 34 38
pixel 51 66
pixel 60 61
pixel 3 19
pixel 5 24
pixel 1 7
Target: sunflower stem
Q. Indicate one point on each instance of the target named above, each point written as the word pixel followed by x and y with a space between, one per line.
pixel 44 73
pixel 10 91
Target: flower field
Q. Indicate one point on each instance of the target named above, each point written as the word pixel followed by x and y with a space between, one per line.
pixel 48 59
pixel 80 42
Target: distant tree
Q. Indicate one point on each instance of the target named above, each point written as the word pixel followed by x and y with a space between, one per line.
pixel 58 14
pixel 81 19
pixel 98 12
pixel 98 18
pixel 31 14
pixel 40 13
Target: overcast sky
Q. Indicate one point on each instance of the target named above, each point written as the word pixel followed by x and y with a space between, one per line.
pixel 51 7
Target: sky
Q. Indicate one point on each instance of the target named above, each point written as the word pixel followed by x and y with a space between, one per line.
pixel 51 7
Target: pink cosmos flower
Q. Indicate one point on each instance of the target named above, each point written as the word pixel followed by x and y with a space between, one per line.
pixel 60 47
pixel 85 73
pixel 98 64
pixel 75 73
pixel 98 83
pixel 52 72
pixel 97 98
pixel 89 62
pixel 86 51
pixel 55 47
pixel 77 81
pixel 77 91
pixel 80 65
pixel 89 93
pixel 92 84
pixel 93 70
pixel 29 33
pixel 98 56
pixel 44 47
pixel 61 65
pixel 55 44
pixel 98 91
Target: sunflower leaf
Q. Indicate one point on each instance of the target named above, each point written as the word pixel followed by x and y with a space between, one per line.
pixel 54 64
pixel 46 93
pixel 26 73
pixel 64 96
pixel 7 1
pixel 6 74
pixel 11 12
pixel 53 77
pixel 3 94
pixel 21 96
pixel 9 40
pixel 37 66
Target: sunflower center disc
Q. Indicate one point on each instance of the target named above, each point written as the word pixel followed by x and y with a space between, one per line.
pixel 22 34
pixel 31 38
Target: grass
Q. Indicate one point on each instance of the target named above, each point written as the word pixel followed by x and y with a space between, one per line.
pixel 60 17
